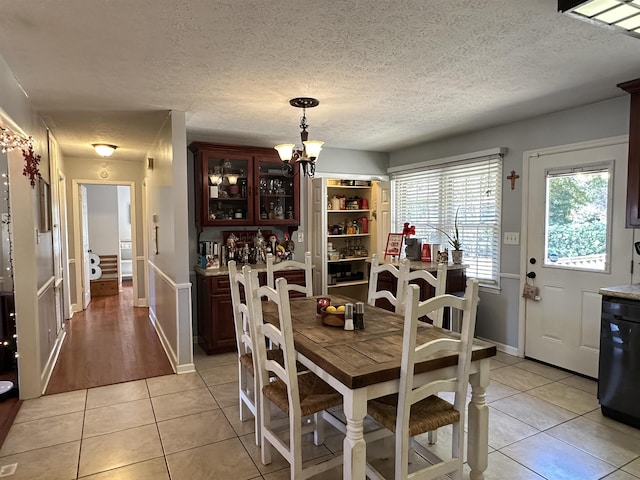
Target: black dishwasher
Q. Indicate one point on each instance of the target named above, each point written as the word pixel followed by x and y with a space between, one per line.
pixel 619 366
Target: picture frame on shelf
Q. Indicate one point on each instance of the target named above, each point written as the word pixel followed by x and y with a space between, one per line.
pixel 394 245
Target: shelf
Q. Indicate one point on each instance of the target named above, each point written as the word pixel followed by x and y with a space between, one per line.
pixel 226 199
pixel 275 195
pixel 348 211
pixel 349 186
pixel 349 284
pixel 350 236
pixel 350 259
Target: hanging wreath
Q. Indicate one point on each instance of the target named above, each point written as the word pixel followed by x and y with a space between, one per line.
pixel 31 162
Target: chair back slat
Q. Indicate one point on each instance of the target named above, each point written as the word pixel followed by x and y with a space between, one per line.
pixel 438 282
pixel 307 266
pixel 398 272
pixel 241 313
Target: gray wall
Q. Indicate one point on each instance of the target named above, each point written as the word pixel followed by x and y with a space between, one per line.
pixel 498 313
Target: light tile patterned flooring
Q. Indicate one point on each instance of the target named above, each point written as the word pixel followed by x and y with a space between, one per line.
pixel 544 423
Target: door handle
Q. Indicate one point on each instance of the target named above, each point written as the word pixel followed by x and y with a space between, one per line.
pixel 531 275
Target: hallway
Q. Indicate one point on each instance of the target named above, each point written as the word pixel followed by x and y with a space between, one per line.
pixel 110 342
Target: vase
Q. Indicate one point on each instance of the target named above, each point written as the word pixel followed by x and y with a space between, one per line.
pixel 456 256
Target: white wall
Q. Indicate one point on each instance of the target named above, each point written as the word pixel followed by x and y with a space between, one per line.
pixel 498 313
pixel 168 241
pixel 124 213
pixel 32 254
pixel 102 212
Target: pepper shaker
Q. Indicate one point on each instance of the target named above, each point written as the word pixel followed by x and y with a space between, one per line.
pixel 358 316
pixel 348 316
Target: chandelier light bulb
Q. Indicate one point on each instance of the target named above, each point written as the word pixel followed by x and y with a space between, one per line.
pixel 285 150
pixel 313 147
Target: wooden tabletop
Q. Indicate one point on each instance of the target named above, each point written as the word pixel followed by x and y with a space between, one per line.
pixel 362 357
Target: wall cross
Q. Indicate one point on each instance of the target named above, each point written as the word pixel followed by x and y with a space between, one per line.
pixel 513 178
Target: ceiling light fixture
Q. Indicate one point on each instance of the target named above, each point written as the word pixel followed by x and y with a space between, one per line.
pixel 103 149
pixel 621 15
pixel 306 156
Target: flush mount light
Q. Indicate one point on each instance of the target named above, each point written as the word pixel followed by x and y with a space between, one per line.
pixel 103 149
pixel 620 15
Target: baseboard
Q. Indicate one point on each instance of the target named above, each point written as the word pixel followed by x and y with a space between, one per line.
pixel 501 347
pixel 173 359
pixel 51 363
pixel 186 368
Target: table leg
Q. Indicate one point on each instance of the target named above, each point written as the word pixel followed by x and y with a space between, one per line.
pixel 478 436
pixel 354 446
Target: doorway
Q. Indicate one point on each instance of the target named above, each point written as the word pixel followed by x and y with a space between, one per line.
pixel 113 234
pixel 575 243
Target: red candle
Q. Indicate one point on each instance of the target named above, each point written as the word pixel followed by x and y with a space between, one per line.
pixel 322 303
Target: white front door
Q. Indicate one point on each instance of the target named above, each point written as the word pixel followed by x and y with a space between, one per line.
pixel 86 263
pixel 576 244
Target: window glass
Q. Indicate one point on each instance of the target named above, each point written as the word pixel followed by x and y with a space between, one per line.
pixel 577 218
pixel 431 198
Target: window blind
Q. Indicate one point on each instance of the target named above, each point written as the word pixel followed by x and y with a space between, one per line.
pixel 430 198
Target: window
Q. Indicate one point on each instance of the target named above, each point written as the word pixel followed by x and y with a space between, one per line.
pixel 430 197
pixel 578 218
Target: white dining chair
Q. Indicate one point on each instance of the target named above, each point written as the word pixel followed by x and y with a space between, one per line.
pixel 417 408
pixel 247 379
pixel 438 282
pixel 306 266
pixel 297 394
pixel 398 272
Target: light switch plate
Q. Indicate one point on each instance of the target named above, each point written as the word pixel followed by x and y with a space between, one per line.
pixel 300 237
pixel 511 238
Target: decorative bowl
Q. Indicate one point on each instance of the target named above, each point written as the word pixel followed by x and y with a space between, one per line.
pixel 333 319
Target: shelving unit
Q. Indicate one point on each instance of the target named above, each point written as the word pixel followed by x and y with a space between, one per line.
pixel 344 268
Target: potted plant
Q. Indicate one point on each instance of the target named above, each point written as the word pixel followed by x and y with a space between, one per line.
pixel 454 240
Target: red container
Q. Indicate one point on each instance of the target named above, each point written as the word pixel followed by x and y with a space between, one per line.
pixel 426 253
pixel 322 303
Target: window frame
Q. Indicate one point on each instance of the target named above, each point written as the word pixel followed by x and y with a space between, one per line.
pixel 445 174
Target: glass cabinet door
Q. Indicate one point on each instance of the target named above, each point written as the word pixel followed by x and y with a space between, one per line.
pixel 277 195
pixel 228 198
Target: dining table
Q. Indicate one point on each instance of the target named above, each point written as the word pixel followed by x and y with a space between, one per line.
pixel 365 364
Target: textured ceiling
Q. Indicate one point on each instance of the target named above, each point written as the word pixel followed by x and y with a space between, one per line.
pixel 387 73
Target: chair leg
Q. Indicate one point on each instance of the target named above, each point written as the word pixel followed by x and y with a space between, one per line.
pixel 432 436
pixel 318 432
pixel 457 449
pixel 265 423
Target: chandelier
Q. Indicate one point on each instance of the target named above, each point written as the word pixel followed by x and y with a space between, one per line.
pixel 307 155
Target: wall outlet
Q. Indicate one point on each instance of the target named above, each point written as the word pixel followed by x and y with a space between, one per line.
pixel 511 238
pixel 300 237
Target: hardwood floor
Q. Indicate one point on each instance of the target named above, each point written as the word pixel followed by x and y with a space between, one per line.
pixel 110 342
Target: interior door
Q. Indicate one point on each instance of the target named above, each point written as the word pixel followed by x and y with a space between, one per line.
pixel 576 244
pixel 381 223
pixel 86 263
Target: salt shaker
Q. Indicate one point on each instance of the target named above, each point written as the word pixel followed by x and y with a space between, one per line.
pixel 358 316
pixel 348 316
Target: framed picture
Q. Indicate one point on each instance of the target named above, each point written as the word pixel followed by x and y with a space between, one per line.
pixel 44 204
pixel 394 245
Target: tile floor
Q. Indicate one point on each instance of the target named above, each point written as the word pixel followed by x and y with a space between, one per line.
pixel 544 423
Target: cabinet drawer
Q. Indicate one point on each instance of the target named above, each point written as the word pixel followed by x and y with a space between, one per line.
pixel 220 284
